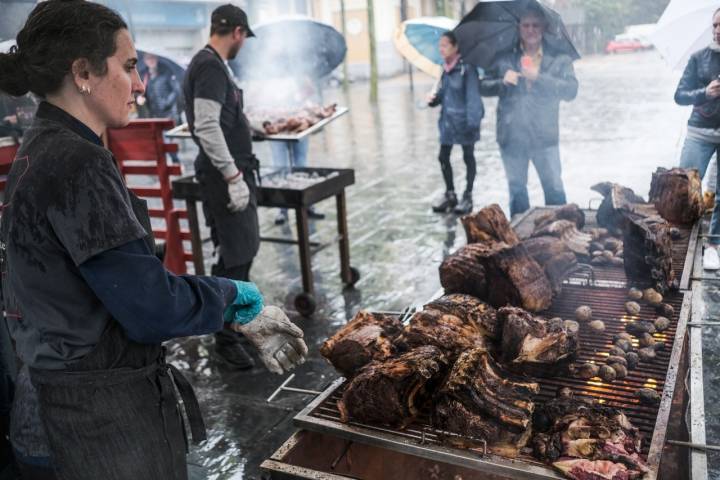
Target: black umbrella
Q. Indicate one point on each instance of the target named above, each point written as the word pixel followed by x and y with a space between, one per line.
pixel 491 28
pixel 293 46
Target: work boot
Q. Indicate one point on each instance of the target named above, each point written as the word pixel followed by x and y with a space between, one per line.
pixel 281 217
pixel 445 203
pixel 229 349
pixel 466 205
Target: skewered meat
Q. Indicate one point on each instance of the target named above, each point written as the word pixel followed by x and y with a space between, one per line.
pixel 471 309
pixel 481 401
pixel 531 344
pixel 567 231
pixel 451 334
pixel 677 195
pixel 489 225
pixel 365 338
pixel 617 200
pixel 648 251
pixel 516 278
pixel 461 272
pixel 567 212
pixel 275 121
pixel 553 256
pixel 392 392
pixel 568 427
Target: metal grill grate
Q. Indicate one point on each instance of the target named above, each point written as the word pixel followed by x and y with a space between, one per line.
pixel 607 305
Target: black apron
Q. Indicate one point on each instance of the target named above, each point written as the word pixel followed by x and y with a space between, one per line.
pixel 237 234
pixel 114 414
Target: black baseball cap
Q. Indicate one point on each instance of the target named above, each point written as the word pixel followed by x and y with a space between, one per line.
pixel 231 16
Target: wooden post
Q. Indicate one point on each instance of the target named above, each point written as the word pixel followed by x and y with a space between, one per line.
pixel 343 25
pixel 373 52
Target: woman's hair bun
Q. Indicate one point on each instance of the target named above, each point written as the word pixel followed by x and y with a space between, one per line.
pixel 13 79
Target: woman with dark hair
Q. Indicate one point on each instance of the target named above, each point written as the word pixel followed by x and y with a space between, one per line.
pixel 86 300
pixel 460 116
pixel 700 87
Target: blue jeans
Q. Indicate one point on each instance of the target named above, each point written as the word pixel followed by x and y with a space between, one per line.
pixel 289 154
pixel 516 160
pixel 697 154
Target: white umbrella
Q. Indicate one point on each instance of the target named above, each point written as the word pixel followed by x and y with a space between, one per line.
pixel 684 28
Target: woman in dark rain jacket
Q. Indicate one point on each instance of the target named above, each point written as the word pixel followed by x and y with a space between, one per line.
pixel 460 116
pixel 87 302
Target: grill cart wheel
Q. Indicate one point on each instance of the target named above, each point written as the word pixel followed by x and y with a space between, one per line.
pixel 354 277
pixel 305 304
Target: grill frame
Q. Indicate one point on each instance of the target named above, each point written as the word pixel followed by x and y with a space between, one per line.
pixel 425 445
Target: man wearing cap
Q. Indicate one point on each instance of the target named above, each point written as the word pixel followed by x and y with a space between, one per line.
pixel 225 166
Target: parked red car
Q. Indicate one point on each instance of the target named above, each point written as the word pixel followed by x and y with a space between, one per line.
pixel 626 45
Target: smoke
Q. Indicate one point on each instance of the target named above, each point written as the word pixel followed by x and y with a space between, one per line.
pixel 286 62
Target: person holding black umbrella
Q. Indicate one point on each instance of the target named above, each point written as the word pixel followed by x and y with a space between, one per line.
pixel 531 81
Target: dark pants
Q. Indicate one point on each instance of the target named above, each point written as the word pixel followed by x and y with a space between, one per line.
pixel 516 161
pixel 242 273
pixel 446 167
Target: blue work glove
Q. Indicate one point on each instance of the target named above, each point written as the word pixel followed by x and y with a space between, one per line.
pixel 247 305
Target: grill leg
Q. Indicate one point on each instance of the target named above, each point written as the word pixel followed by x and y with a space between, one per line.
pixel 344 243
pixel 195 240
pixel 304 247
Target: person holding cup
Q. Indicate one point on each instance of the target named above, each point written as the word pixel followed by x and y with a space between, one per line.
pixel 531 81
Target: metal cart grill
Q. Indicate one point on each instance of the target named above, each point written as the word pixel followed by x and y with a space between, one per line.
pixel 606 296
pixel 333 184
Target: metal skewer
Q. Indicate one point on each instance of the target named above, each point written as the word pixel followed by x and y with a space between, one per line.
pixel 285 388
pixel 695 446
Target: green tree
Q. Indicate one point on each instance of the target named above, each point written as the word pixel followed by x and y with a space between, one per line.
pixel 611 17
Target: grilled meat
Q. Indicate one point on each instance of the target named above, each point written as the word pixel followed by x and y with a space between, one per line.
pixel 451 334
pixel 472 310
pixel 516 278
pixel 648 251
pixel 489 225
pixel 567 231
pixel 618 199
pixel 567 212
pixel 461 272
pixel 530 344
pixel 481 402
pixel 567 427
pixel 582 469
pixel 365 338
pixel 392 392
pixel 677 195
pixel 553 255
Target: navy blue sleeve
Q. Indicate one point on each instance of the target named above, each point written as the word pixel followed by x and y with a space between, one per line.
pixel 150 303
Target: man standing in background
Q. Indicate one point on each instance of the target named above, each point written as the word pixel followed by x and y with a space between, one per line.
pixel 225 166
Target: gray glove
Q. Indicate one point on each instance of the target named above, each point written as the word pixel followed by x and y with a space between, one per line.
pixel 278 340
pixel 239 194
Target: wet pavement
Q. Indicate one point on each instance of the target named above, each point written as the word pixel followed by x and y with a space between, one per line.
pixel 621 127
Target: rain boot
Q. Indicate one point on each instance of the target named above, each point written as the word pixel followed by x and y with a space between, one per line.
pixel 466 204
pixel 446 203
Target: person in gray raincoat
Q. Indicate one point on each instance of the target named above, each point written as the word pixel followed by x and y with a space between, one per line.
pixel 531 81
pixel 87 302
pixel 461 112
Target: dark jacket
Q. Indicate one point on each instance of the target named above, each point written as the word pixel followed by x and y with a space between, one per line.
pixel 462 106
pixel 163 93
pixel 530 116
pixel 702 68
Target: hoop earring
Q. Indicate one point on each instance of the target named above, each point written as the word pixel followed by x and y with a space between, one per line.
pixel 85 90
